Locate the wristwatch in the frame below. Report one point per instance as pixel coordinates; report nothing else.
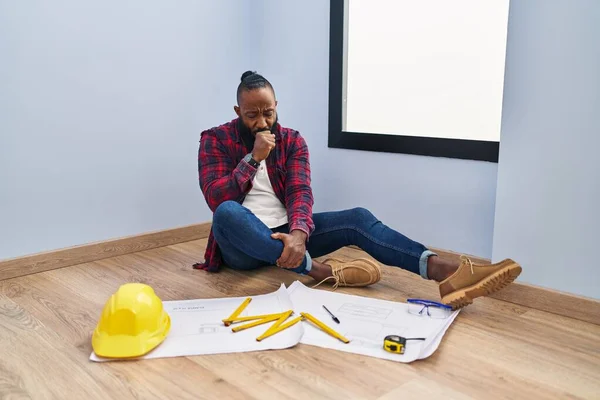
(251, 160)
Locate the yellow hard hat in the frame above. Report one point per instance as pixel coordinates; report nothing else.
(132, 323)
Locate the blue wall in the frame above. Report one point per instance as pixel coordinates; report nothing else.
(548, 205)
(101, 108)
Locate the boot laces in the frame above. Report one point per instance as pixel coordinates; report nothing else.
(467, 260)
(337, 275)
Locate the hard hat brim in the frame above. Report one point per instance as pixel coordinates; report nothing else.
(126, 346)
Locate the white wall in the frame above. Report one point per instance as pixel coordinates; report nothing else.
(101, 108)
(548, 200)
(442, 202)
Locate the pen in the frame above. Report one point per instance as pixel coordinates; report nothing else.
(332, 316)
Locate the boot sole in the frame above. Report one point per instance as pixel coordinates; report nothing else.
(493, 283)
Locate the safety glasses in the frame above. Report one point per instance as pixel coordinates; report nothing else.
(427, 308)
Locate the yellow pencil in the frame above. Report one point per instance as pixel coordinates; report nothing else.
(249, 318)
(324, 327)
(256, 323)
(279, 329)
(237, 311)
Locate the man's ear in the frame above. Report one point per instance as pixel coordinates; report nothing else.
(237, 110)
(275, 103)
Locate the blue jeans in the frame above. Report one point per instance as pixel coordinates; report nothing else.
(246, 242)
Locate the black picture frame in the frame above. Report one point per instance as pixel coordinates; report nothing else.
(478, 150)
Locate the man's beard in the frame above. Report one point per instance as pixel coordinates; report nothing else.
(245, 131)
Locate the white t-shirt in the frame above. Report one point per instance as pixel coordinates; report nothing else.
(263, 202)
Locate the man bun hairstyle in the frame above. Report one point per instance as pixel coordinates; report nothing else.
(251, 80)
(247, 74)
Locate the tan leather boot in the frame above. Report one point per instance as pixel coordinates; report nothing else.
(359, 272)
(471, 281)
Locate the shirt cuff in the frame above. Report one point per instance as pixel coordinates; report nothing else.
(299, 226)
(246, 169)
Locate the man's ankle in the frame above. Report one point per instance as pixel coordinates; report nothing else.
(320, 271)
(439, 269)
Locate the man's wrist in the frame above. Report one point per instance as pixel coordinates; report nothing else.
(299, 234)
(250, 159)
(255, 158)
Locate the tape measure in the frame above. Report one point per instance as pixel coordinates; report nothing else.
(396, 344)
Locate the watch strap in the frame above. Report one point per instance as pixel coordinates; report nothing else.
(251, 160)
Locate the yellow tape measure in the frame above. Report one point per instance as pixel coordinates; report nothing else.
(396, 344)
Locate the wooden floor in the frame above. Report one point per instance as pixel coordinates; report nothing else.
(494, 349)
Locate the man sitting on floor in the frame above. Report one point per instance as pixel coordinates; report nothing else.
(255, 177)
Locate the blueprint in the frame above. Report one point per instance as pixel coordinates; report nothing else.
(365, 322)
(197, 327)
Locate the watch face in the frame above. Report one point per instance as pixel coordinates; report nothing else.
(250, 161)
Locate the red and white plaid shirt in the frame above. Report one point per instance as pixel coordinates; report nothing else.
(224, 175)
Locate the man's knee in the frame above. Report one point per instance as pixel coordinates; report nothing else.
(362, 213)
(363, 216)
(227, 212)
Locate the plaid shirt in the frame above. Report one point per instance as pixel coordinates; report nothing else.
(224, 175)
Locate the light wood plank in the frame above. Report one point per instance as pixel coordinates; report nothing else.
(31, 264)
(495, 349)
(423, 389)
(553, 301)
(65, 315)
